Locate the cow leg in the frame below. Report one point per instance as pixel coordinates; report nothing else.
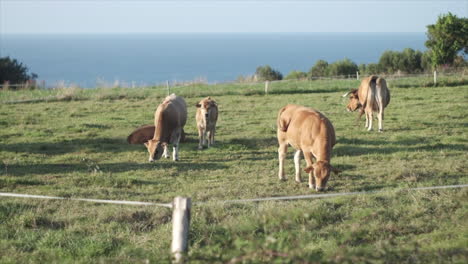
(380, 117)
(297, 165)
(282, 150)
(367, 121)
(200, 138)
(208, 137)
(308, 159)
(212, 134)
(370, 121)
(166, 152)
(205, 137)
(175, 148)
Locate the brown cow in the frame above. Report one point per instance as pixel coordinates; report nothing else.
(372, 96)
(206, 116)
(145, 133)
(310, 132)
(169, 120)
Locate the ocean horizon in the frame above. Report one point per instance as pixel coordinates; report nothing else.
(90, 60)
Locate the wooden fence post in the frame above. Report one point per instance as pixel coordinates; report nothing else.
(180, 227)
(435, 78)
(267, 84)
(357, 75)
(168, 88)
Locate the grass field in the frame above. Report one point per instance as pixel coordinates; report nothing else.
(72, 143)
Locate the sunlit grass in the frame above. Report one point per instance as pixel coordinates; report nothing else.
(76, 146)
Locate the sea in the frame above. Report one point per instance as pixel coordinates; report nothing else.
(91, 60)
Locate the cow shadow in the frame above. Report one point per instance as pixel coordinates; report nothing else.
(357, 147)
(92, 167)
(95, 145)
(66, 146)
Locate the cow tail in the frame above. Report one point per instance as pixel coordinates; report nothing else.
(281, 122)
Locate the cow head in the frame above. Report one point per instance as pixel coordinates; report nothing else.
(354, 103)
(321, 170)
(206, 106)
(155, 149)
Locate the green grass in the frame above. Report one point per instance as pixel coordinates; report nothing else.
(72, 143)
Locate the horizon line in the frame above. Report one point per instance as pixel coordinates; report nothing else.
(202, 32)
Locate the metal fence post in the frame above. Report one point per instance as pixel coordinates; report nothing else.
(267, 83)
(435, 77)
(180, 227)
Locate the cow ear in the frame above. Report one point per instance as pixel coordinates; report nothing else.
(146, 144)
(309, 169)
(213, 103)
(198, 105)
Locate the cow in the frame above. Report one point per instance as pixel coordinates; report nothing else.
(145, 133)
(169, 121)
(206, 117)
(372, 96)
(309, 132)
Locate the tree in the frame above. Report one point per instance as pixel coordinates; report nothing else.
(266, 73)
(319, 69)
(14, 72)
(446, 38)
(296, 75)
(343, 67)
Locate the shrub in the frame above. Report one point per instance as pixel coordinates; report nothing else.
(14, 72)
(296, 75)
(343, 67)
(266, 73)
(319, 69)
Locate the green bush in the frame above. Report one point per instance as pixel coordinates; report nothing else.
(343, 67)
(14, 72)
(319, 69)
(266, 73)
(296, 75)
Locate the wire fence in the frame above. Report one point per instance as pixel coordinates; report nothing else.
(252, 80)
(181, 209)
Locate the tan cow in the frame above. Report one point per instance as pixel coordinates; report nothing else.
(206, 116)
(146, 132)
(169, 120)
(311, 133)
(372, 96)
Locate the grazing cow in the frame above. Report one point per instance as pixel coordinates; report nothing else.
(206, 116)
(169, 120)
(145, 133)
(310, 132)
(372, 96)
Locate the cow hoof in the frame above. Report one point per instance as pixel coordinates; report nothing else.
(282, 179)
(380, 130)
(200, 147)
(311, 186)
(298, 181)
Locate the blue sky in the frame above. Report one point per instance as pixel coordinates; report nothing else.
(105, 16)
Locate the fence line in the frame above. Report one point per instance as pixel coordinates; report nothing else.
(328, 195)
(181, 211)
(179, 84)
(278, 198)
(168, 205)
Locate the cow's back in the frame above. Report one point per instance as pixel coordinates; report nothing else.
(372, 92)
(300, 126)
(175, 110)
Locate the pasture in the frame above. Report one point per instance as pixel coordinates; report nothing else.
(72, 143)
